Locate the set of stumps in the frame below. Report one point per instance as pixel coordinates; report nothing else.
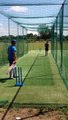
(18, 74)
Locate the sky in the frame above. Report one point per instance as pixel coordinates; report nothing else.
(27, 11)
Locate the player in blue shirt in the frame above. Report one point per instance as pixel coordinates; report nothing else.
(12, 56)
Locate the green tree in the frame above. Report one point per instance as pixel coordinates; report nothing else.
(44, 31)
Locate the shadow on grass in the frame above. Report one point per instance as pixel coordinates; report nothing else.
(3, 103)
(2, 80)
(39, 105)
(45, 78)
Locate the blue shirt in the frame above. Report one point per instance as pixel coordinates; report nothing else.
(11, 50)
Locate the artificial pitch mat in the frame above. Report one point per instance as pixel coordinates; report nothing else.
(42, 83)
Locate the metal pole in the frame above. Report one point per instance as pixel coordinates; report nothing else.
(27, 40)
(53, 41)
(56, 39)
(61, 34)
(23, 39)
(18, 40)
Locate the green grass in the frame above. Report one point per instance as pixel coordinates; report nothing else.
(43, 85)
(36, 45)
(39, 74)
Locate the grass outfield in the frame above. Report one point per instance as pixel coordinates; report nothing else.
(36, 45)
(43, 84)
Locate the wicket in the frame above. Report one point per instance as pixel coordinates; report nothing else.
(19, 76)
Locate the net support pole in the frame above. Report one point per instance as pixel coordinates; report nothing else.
(53, 40)
(23, 39)
(18, 40)
(9, 27)
(26, 40)
(61, 35)
(56, 39)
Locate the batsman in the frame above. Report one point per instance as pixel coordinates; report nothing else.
(12, 58)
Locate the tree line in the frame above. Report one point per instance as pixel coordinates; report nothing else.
(44, 33)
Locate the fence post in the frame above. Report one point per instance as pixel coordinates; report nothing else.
(61, 35)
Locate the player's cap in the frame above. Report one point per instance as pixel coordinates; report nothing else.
(13, 41)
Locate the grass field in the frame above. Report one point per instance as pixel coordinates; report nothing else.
(42, 85)
(42, 82)
(36, 45)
